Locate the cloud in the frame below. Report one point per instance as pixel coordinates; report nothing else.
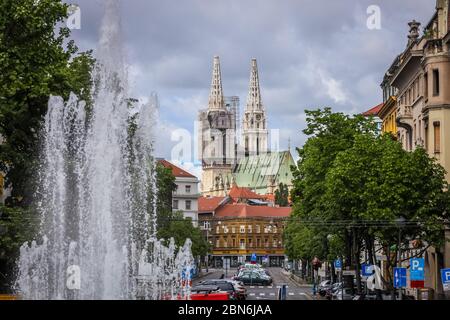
(311, 54)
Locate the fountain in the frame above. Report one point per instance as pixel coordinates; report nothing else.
(96, 196)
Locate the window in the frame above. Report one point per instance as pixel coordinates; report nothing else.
(258, 243)
(242, 244)
(217, 229)
(275, 243)
(258, 228)
(206, 225)
(267, 243)
(188, 204)
(234, 242)
(225, 243)
(425, 82)
(242, 228)
(188, 189)
(437, 136)
(233, 229)
(175, 204)
(250, 243)
(225, 229)
(249, 227)
(435, 82)
(217, 243)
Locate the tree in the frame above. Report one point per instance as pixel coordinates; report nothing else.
(330, 133)
(172, 224)
(34, 64)
(375, 183)
(180, 229)
(282, 195)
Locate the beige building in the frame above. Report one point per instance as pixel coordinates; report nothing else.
(419, 79)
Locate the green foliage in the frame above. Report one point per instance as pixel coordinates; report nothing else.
(172, 224)
(17, 226)
(351, 185)
(282, 195)
(180, 229)
(34, 64)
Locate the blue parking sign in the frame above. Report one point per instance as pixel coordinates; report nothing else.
(445, 276)
(399, 277)
(367, 270)
(338, 264)
(417, 266)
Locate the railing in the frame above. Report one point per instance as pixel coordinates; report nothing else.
(404, 111)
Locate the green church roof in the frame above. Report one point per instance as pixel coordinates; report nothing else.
(258, 172)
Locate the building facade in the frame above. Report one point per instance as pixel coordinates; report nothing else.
(238, 230)
(417, 93)
(185, 197)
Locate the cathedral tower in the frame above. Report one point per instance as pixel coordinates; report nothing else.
(254, 125)
(217, 138)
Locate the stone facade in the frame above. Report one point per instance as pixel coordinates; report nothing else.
(417, 92)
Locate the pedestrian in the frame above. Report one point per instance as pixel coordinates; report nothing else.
(222, 276)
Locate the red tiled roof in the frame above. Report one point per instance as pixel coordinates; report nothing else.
(244, 211)
(176, 171)
(209, 204)
(374, 111)
(244, 193)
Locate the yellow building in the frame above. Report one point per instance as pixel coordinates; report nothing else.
(237, 230)
(388, 115)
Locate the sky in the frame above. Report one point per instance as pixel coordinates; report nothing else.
(311, 54)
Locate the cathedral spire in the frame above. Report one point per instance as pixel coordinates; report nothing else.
(254, 93)
(216, 100)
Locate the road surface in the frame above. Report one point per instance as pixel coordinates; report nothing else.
(294, 290)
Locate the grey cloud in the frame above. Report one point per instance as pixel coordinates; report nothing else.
(170, 45)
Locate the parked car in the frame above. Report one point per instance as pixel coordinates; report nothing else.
(241, 291)
(208, 292)
(224, 285)
(254, 278)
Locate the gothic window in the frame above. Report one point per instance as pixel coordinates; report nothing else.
(437, 136)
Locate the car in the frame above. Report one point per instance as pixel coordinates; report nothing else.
(254, 278)
(208, 292)
(241, 291)
(224, 285)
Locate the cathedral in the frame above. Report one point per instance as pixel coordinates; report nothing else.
(234, 152)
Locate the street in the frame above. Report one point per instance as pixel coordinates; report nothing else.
(279, 276)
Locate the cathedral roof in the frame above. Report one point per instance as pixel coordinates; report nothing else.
(260, 171)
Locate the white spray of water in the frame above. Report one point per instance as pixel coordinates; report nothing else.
(97, 195)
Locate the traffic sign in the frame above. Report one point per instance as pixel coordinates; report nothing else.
(416, 272)
(338, 265)
(253, 257)
(445, 276)
(399, 277)
(367, 270)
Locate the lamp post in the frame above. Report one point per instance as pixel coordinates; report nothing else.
(400, 223)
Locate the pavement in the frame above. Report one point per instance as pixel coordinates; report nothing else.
(295, 290)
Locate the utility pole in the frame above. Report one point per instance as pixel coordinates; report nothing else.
(400, 223)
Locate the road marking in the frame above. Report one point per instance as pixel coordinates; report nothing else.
(261, 287)
(252, 287)
(269, 287)
(291, 293)
(252, 294)
(272, 294)
(302, 293)
(262, 294)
